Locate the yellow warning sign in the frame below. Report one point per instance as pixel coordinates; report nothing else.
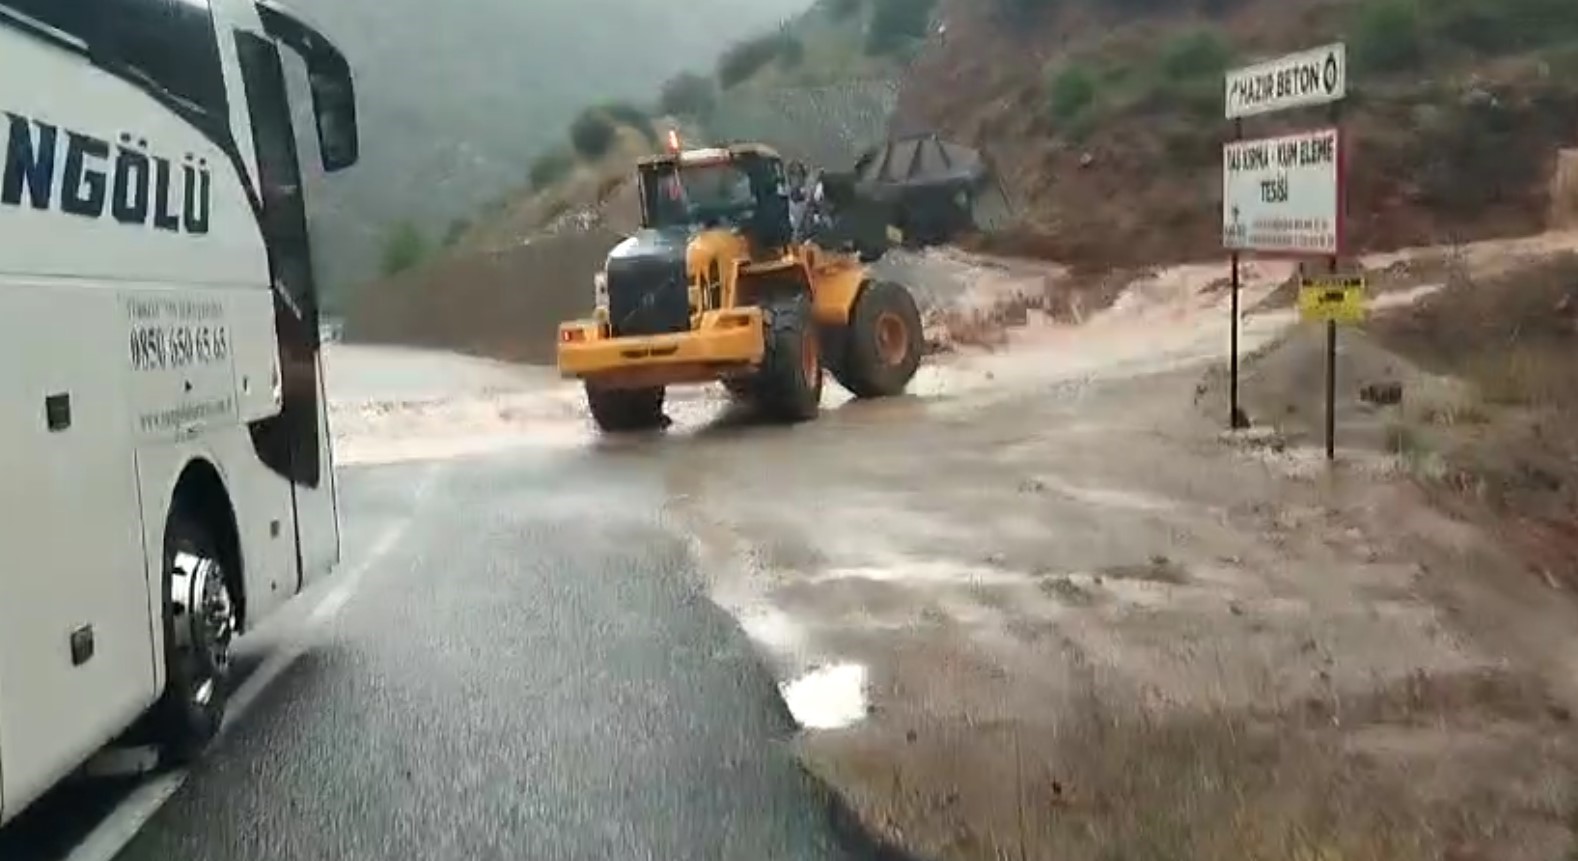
(1337, 298)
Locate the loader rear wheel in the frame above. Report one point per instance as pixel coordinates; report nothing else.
(617, 410)
(881, 346)
(789, 386)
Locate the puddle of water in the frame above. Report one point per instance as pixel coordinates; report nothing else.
(769, 626)
(913, 570)
(830, 697)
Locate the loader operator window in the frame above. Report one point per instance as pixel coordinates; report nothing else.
(709, 194)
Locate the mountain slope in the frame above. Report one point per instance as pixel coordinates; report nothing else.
(456, 99)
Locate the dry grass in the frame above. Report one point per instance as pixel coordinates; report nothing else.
(1509, 448)
(1511, 336)
(1101, 780)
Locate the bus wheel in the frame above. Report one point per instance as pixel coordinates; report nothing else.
(199, 624)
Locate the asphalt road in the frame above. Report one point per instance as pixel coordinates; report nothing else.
(525, 668)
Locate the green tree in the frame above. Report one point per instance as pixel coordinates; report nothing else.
(1196, 54)
(592, 134)
(404, 246)
(688, 95)
(897, 23)
(1387, 36)
(1073, 91)
(626, 114)
(841, 10)
(746, 58)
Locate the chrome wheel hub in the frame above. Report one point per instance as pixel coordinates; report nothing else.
(205, 620)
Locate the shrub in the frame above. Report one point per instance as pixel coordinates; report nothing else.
(592, 134)
(688, 95)
(792, 52)
(897, 23)
(841, 10)
(1387, 35)
(1503, 25)
(549, 168)
(404, 246)
(626, 114)
(1016, 12)
(457, 229)
(1073, 91)
(1199, 54)
(747, 58)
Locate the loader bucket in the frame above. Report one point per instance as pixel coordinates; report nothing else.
(934, 190)
(859, 223)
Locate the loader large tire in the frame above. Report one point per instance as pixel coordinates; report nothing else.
(618, 410)
(789, 386)
(880, 350)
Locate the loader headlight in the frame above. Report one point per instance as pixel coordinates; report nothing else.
(600, 290)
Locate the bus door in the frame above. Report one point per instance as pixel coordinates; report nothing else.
(297, 441)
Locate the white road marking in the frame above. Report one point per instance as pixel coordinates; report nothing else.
(123, 823)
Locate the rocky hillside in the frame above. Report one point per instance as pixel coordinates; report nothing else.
(1106, 114)
(1104, 117)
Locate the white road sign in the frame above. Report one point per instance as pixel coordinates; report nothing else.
(1313, 77)
(1283, 194)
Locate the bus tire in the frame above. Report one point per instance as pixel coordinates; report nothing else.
(200, 621)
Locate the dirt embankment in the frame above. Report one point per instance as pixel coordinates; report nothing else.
(502, 304)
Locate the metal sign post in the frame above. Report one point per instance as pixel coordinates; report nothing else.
(1284, 195)
(1332, 300)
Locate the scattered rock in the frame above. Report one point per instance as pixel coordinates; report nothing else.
(1032, 485)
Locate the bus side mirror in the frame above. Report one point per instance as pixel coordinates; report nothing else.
(334, 109)
(329, 78)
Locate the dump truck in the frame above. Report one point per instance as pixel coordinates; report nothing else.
(717, 285)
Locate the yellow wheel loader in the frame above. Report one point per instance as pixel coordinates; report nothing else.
(717, 285)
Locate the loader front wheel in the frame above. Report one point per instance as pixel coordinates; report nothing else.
(789, 386)
(881, 347)
(618, 410)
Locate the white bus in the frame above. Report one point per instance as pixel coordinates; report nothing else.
(167, 472)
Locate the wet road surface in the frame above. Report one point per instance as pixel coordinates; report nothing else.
(527, 670)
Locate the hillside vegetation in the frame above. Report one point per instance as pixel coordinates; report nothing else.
(831, 42)
(1106, 115)
(455, 100)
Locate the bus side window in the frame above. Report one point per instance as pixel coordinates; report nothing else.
(70, 17)
(173, 43)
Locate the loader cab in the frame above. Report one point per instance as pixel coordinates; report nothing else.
(740, 188)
